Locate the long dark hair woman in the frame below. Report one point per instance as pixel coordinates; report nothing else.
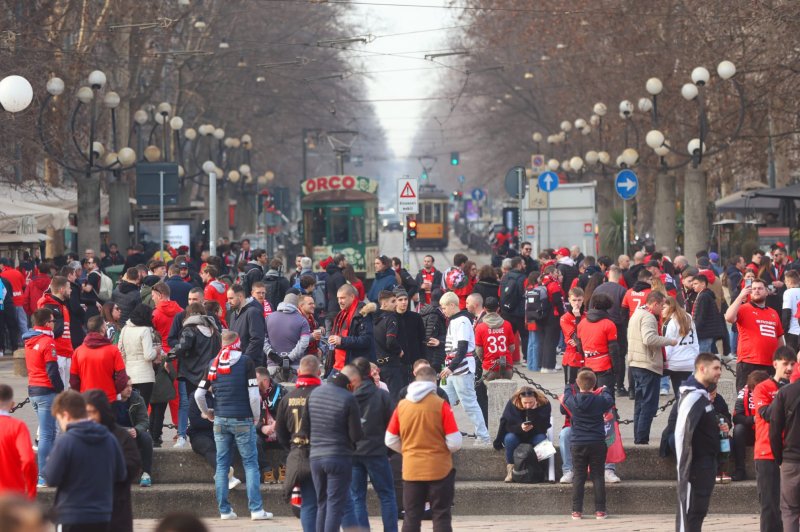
(99, 410)
(525, 419)
(487, 285)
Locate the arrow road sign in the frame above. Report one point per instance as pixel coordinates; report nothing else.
(548, 181)
(627, 184)
(478, 194)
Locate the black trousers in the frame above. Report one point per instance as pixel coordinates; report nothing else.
(768, 484)
(570, 374)
(157, 411)
(744, 436)
(203, 444)
(271, 455)
(395, 377)
(85, 527)
(606, 378)
(702, 478)
(146, 391)
(676, 378)
(619, 363)
(440, 493)
(145, 444)
(584, 456)
(744, 369)
(552, 333)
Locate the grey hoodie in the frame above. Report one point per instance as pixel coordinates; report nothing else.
(287, 333)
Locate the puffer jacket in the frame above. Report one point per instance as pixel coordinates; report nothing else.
(133, 413)
(376, 410)
(163, 315)
(360, 339)
(386, 330)
(199, 343)
(138, 351)
(385, 280)
(487, 289)
(126, 295)
(707, 317)
(435, 327)
(644, 342)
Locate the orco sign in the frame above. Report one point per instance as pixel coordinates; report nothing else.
(338, 182)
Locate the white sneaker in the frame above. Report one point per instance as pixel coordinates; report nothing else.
(482, 443)
(566, 478)
(260, 515)
(232, 481)
(230, 516)
(611, 477)
(181, 443)
(663, 392)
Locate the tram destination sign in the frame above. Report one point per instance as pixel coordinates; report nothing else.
(338, 182)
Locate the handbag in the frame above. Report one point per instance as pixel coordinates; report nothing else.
(616, 452)
(544, 450)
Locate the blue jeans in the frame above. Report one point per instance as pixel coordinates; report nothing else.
(564, 441)
(645, 404)
(534, 350)
(332, 476)
(512, 441)
(22, 321)
(242, 433)
(734, 340)
(379, 471)
(664, 383)
(308, 508)
(183, 409)
(47, 427)
(706, 344)
(462, 388)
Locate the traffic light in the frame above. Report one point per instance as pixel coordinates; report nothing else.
(457, 195)
(411, 228)
(454, 158)
(424, 176)
(205, 230)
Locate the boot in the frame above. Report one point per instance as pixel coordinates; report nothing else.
(509, 469)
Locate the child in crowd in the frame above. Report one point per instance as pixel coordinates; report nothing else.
(588, 440)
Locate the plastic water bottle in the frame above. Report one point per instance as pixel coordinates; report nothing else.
(724, 442)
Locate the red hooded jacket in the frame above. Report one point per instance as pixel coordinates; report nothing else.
(34, 292)
(63, 338)
(163, 316)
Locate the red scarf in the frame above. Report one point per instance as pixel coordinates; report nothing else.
(307, 380)
(222, 363)
(341, 327)
(428, 276)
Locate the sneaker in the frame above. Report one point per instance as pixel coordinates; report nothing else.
(622, 391)
(145, 481)
(180, 442)
(663, 392)
(482, 443)
(157, 444)
(233, 482)
(260, 515)
(611, 477)
(230, 516)
(41, 483)
(600, 515)
(566, 478)
(577, 516)
(548, 370)
(268, 477)
(726, 479)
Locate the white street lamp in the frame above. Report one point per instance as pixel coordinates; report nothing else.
(726, 70)
(654, 86)
(654, 139)
(700, 76)
(591, 157)
(630, 156)
(600, 109)
(576, 163)
(689, 91)
(97, 79)
(16, 93)
(55, 86)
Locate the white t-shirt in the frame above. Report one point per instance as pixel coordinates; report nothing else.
(790, 299)
(681, 357)
(460, 330)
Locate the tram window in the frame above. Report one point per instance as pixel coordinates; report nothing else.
(339, 221)
(436, 217)
(370, 225)
(318, 227)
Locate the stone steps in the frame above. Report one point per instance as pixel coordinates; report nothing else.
(180, 466)
(472, 498)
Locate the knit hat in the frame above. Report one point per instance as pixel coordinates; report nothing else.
(324, 263)
(291, 299)
(400, 292)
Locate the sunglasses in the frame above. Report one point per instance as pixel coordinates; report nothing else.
(527, 394)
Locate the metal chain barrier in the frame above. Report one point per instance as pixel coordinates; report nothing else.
(726, 366)
(20, 405)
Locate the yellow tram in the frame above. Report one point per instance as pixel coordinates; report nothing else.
(432, 221)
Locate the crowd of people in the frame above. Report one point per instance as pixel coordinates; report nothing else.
(238, 352)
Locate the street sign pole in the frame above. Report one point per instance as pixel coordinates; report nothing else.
(548, 181)
(212, 213)
(627, 185)
(161, 210)
(625, 226)
(520, 195)
(548, 219)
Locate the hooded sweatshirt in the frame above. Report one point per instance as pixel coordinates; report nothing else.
(597, 339)
(86, 497)
(494, 339)
(61, 329)
(386, 330)
(424, 430)
(376, 409)
(41, 363)
(163, 315)
(586, 410)
(288, 333)
(199, 343)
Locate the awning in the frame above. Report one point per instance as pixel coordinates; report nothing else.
(42, 194)
(28, 218)
(790, 192)
(11, 238)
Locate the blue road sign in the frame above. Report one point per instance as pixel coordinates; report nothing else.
(461, 179)
(478, 194)
(548, 181)
(627, 184)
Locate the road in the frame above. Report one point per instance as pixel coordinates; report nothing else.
(391, 244)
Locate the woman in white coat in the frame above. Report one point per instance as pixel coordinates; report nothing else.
(139, 351)
(680, 358)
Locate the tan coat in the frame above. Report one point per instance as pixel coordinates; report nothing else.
(645, 343)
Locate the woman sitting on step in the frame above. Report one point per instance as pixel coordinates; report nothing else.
(525, 419)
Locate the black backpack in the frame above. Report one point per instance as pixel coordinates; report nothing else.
(537, 304)
(276, 290)
(526, 466)
(510, 296)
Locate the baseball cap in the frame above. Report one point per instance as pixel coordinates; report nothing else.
(492, 304)
(183, 264)
(564, 252)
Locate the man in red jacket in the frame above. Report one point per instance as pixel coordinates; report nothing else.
(44, 381)
(98, 363)
(56, 298)
(35, 289)
(17, 462)
(17, 281)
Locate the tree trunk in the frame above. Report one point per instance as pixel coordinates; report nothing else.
(695, 212)
(88, 212)
(119, 213)
(664, 216)
(604, 196)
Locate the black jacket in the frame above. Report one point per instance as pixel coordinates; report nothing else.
(249, 323)
(436, 286)
(707, 318)
(277, 287)
(77, 316)
(412, 336)
(569, 273)
(734, 281)
(198, 344)
(435, 327)
(531, 264)
(616, 292)
(360, 339)
(409, 283)
(178, 290)
(512, 418)
(376, 410)
(126, 296)
(122, 512)
(386, 331)
(132, 413)
(784, 428)
(332, 285)
(333, 419)
(487, 289)
(586, 410)
(517, 279)
(177, 325)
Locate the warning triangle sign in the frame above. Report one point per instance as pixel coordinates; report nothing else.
(408, 192)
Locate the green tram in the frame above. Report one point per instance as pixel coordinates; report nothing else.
(340, 215)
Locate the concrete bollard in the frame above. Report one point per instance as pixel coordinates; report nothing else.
(20, 369)
(727, 389)
(499, 392)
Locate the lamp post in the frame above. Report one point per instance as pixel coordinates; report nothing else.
(695, 204)
(16, 95)
(92, 158)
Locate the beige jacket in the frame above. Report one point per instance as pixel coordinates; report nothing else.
(138, 352)
(644, 342)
